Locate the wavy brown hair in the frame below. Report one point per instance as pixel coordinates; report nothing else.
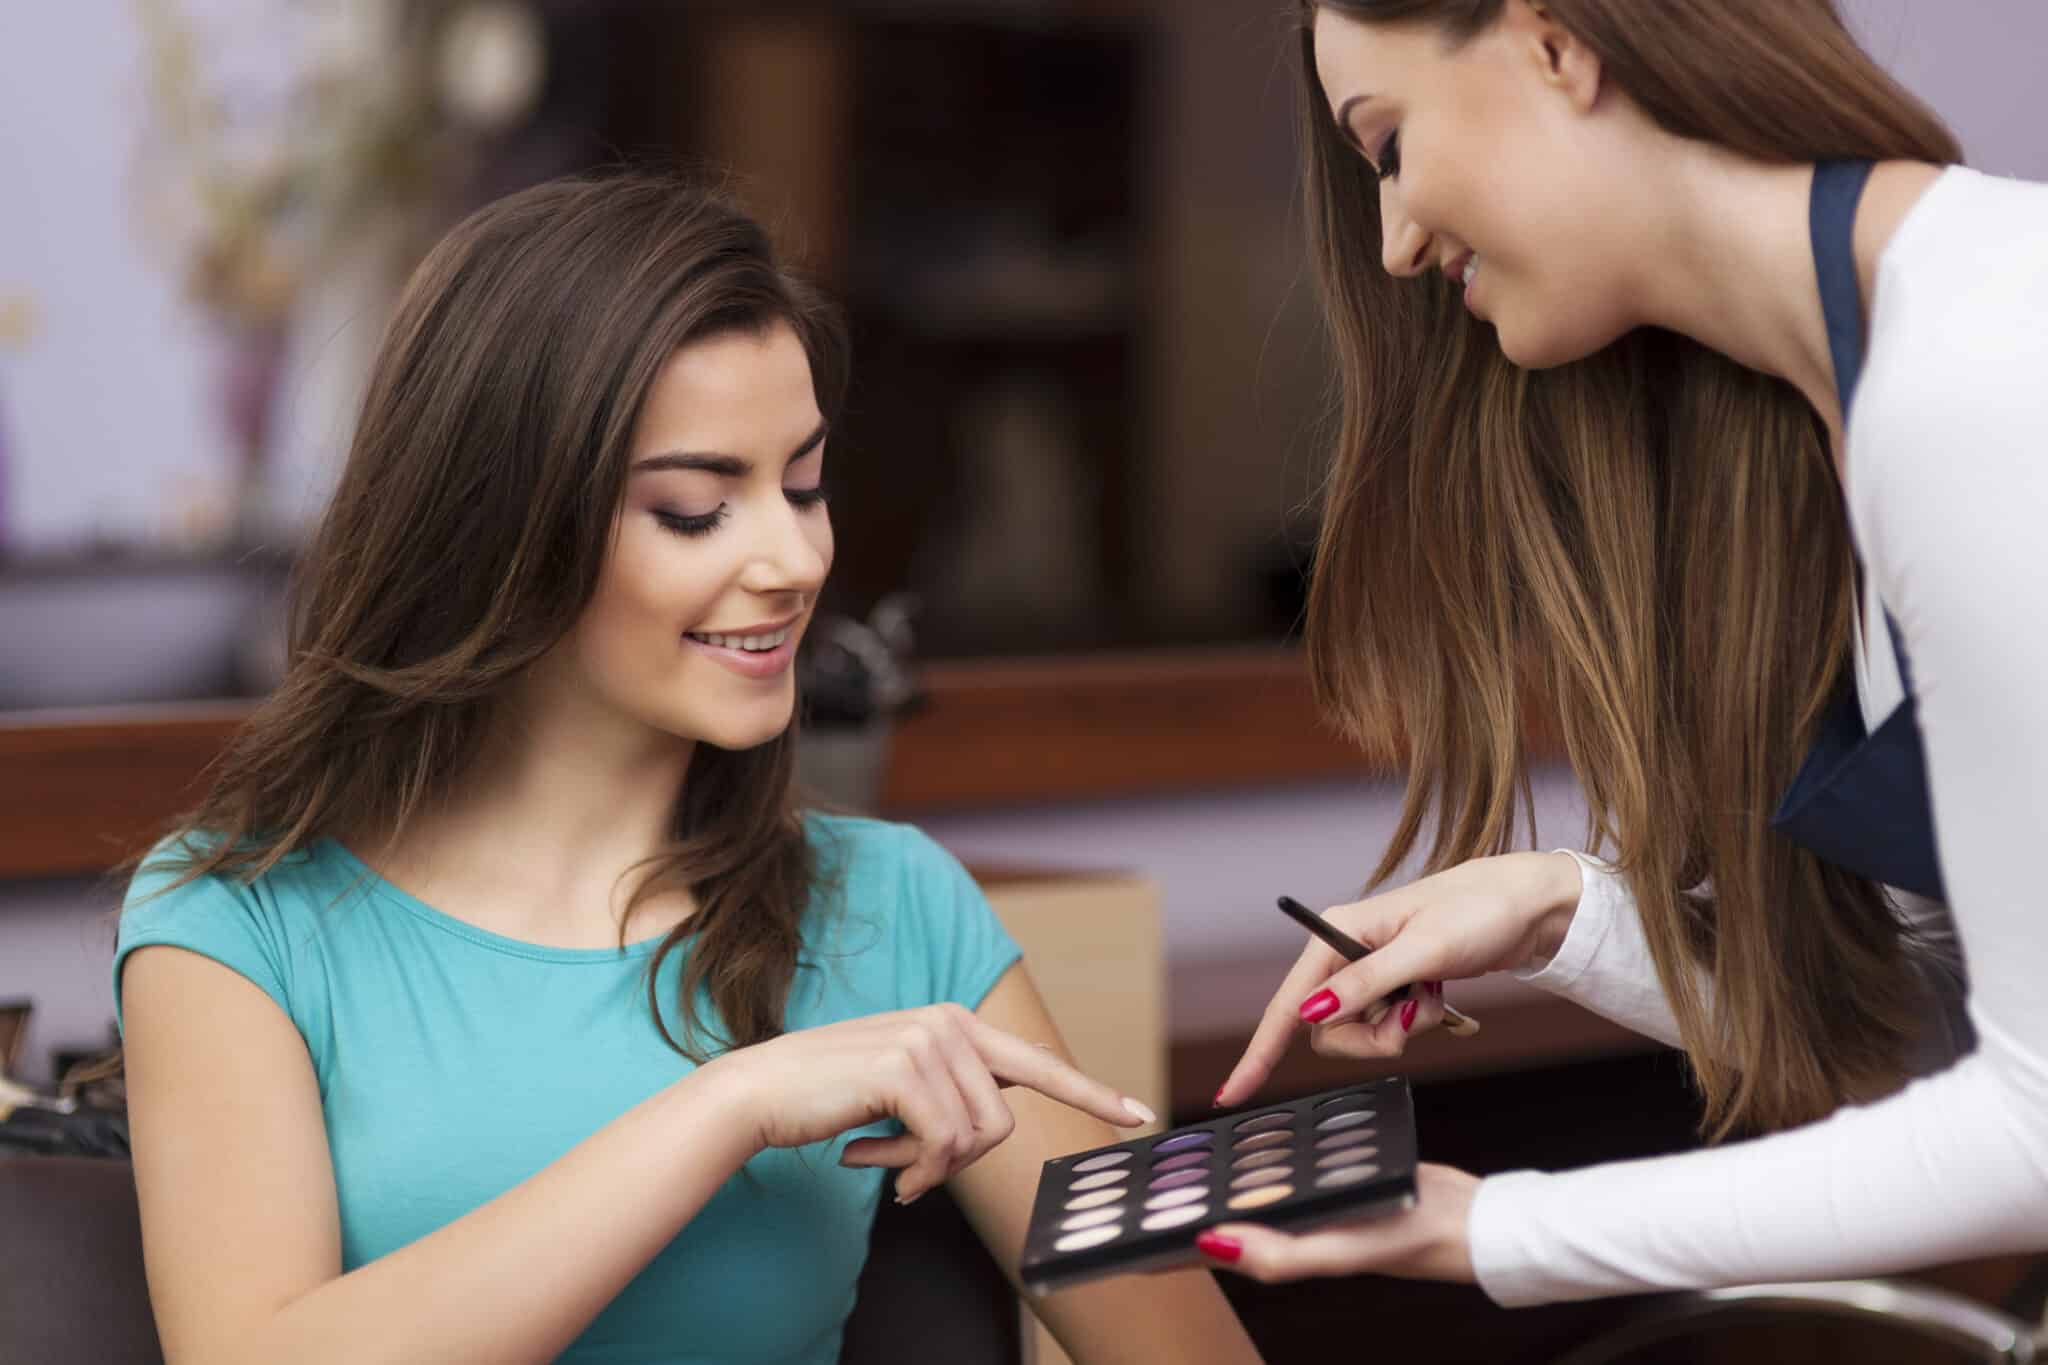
(467, 534)
(1653, 536)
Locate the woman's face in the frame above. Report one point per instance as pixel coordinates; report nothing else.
(1486, 155)
(721, 546)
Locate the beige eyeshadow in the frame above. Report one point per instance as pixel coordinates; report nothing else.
(1259, 1198)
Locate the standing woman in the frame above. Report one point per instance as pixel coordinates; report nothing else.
(1695, 382)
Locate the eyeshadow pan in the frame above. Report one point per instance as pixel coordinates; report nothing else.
(1174, 1218)
(1251, 1180)
(1094, 1218)
(1101, 1178)
(1174, 1180)
(1258, 1140)
(1093, 1237)
(1342, 1139)
(1259, 1198)
(1344, 1102)
(1102, 1162)
(1348, 1119)
(1258, 1159)
(1344, 1156)
(1173, 1199)
(1181, 1162)
(1093, 1200)
(1180, 1142)
(1267, 1123)
(1347, 1175)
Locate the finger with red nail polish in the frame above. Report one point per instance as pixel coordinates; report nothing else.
(1319, 1007)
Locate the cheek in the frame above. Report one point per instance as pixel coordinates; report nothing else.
(818, 531)
(646, 597)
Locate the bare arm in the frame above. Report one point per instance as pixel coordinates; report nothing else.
(1140, 1319)
(241, 1234)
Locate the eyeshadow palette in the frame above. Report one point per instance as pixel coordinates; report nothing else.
(1339, 1155)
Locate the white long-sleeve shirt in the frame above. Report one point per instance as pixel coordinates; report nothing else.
(1947, 474)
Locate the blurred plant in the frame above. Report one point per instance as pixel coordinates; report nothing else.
(343, 112)
(287, 134)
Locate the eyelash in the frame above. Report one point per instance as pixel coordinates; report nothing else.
(803, 499)
(1387, 164)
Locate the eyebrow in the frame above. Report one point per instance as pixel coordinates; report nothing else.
(1344, 118)
(726, 466)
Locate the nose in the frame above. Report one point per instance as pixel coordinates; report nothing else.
(1404, 244)
(792, 551)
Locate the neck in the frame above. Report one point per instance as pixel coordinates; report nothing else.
(540, 834)
(1730, 265)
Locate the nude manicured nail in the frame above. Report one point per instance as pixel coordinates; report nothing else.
(1140, 1112)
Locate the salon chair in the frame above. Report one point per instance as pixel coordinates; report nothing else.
(72, 1290)
(1940, 1324)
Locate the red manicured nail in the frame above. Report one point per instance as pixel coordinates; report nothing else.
(1220, 1248)
(1408, 1015)
(1218, 1102)
(1319, 1007)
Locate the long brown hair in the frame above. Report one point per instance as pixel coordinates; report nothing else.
(1654, 536)
(467, 535)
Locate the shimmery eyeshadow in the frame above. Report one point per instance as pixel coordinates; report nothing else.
(1102, 1162)
(1258, 1159)
(1093, 1200)
(1337, 1140)
(1259, 1198)
(1360, 1101)
(1344, 1156)
(1258, 1140)
(1094, 1218)
(1201, 1137)
(1174, 1218)
(1181, 1162)
(1349, 1119)
(1251, 1180)
(1174, 1180)
(1347, 1175)
(1099, 1179)
(1173, 1199)
(1081, 1241)
(1266, 1123)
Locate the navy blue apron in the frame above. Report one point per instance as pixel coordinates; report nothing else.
(1860, 799)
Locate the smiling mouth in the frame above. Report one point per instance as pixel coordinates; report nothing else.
(762, 643)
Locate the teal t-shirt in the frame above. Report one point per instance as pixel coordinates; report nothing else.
(453, 1064)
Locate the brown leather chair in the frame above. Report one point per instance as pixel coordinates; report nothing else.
(72, 1290)
(71, 1285)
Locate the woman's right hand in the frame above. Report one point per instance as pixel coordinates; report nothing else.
(1488, 915)
(938, 1070)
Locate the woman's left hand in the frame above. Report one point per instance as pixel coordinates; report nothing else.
(1427, 1242)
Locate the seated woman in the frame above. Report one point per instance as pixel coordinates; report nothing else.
(499, 1002)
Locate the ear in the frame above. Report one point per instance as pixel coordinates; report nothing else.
(1558, 56)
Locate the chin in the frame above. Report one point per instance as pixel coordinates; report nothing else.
(739, 733)
(1546, 348)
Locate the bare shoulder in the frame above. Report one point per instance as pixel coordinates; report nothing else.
(1895, 187)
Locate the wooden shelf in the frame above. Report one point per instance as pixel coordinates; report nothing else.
(81, 790)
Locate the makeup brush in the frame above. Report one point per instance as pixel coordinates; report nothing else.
(1457, 1024)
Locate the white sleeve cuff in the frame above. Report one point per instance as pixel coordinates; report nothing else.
(1601, 892)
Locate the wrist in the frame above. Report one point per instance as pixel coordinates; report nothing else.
(1560, 882)
(722, 1091)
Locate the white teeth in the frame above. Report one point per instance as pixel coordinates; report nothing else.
(1471, 269)
(753, 644)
